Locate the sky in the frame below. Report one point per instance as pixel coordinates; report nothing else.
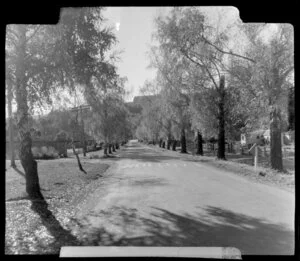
(134, 27)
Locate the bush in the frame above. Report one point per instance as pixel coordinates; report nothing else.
(61, 136)
(44, 153)
(36, 152)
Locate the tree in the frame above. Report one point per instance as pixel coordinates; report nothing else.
(42, 57)
(291, 108)
(271, 77)
(187, 34)
(171, 78)
(10, 124)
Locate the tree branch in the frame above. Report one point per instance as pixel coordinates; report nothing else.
(201, 65)
(225, 52)
(35, 31)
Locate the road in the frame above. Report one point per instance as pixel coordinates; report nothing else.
(152, 198)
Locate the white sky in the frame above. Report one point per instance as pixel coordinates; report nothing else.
(136, 26)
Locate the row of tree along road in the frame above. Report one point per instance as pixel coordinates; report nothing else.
(44, 59)
(212, 81)
(218, 81)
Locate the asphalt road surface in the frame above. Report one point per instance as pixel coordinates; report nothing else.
(152, 198)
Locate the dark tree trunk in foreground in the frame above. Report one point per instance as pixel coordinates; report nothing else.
(26, 157)
(113, 148)
(183, 141)
(275, 132)
(221, 135)
(199, 144)
(174, 145)
(109, 149)
(291, 109)
(10, 126)
(117, 146)
(163, 144)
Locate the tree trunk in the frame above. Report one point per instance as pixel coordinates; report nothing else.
(163, 144)
(109, 149)
(183, 141)
(221, 135)
(174, 145)
(113, 148)
(291, 109)
(275, 132)
(105, 149)
(10, 126)
(117, 146)
(77, 157)
(169, 142)
(160, 143)
(199, 144)
(26, 157)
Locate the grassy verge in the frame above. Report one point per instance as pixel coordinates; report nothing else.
(241, 165)
(43, 227)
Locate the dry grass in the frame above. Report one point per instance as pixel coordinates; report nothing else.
(242, 165)
(42, 228)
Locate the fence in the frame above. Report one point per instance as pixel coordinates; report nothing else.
(234, 153)
(211, 147)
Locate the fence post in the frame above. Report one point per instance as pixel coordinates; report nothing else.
(255, 157)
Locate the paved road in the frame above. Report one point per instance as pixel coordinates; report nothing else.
(152, 198)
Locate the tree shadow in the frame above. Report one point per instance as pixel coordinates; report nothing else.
(213, 226)
(143, 154)
(62, 236)
(150, 182)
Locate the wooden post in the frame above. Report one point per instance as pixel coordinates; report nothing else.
(255, 157)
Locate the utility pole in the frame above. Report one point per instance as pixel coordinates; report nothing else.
(83, 135)
(81, 108)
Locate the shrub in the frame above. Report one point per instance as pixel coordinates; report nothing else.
(36, 152)
(44, 153)
(52, 153)
(61, 136)
(44, 150)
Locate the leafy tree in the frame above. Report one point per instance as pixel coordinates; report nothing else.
(186, 33)
(41, 57)
(270, 80)
(171, 76)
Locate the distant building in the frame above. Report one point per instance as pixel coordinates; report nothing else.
(143, 100)
(254, 137)
(251, 137)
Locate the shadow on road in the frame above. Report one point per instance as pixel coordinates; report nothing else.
(136, 152)
(218, 227)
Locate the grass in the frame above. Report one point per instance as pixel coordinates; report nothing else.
(242, 165)
(43, 227)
